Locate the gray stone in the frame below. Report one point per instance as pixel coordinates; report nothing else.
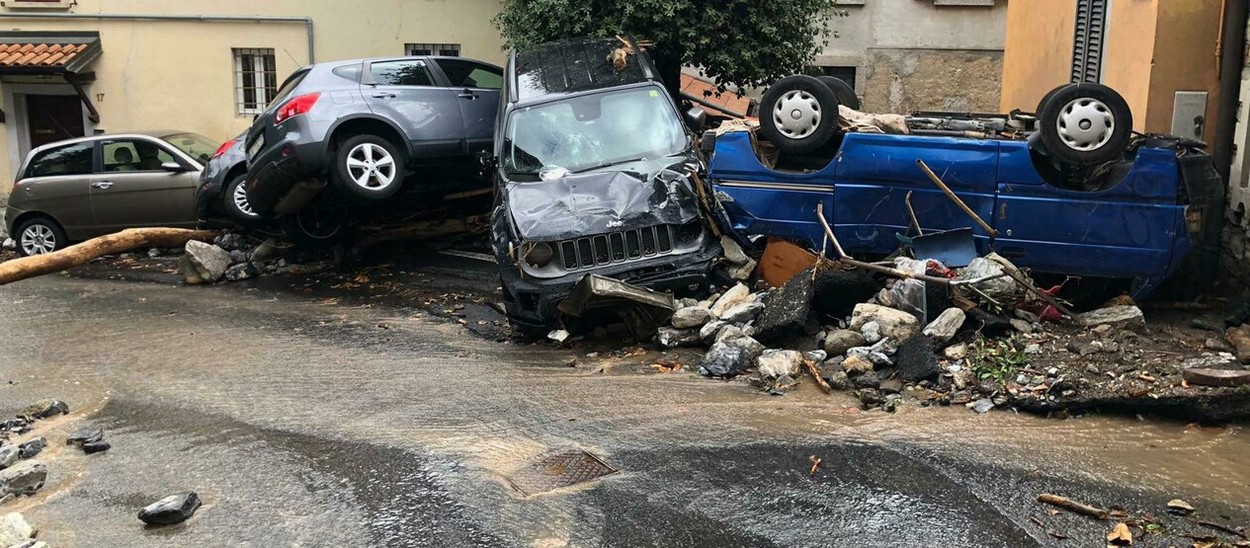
(691, 317)
(870, 397)
(154, 253)
(753, 347)
(735, 296)
(956, 351)
(742, 312)
(96, 447)
(871, 332)
(867, 380)
(895, 324)
(838, 380)
(945, 326)
(857, 365)
(725, 360)
(733, 252)
(775, 363)
(728, 333)
(23, 478)
(815, 356)
(237, 256)
(711, 330)
(230, 241)
(838, 342)
(670, 337)
(43, 409)
(240, 272)
(31, 448)
(1021, 326)
(14, 530)
(963, 379)
(210, 262)
(982, 405)
(891, 386)
(9, 454)
(1118, 317)
(688, 302)
(85, 435)
(170, 510)
(742, 272)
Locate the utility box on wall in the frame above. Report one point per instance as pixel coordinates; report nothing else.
(1189, 114)
(1147, 50)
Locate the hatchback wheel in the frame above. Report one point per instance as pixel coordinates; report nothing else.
(369, 167)
(39, 236)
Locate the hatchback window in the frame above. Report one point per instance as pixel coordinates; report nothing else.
(348, 72)
(464, 73)
(64, 160)
(194, 145)
(401, 73)
(122, 155)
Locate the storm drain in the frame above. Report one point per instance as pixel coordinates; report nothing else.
(559, 470)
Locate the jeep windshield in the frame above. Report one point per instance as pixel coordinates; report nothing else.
(592, 131)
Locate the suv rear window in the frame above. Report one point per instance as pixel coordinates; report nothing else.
(287, 87)
(72, 159)
(401, 73)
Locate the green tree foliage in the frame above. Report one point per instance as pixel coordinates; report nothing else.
(746, 43)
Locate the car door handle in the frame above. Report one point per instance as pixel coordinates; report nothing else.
(466, 94)
(102, 185)
(384, 95)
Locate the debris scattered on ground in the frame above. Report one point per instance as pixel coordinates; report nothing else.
(83, 436)
(170, 510)
(1074, 506)
(44, 409)
(1120, 535)
(1180, 507)
(14, 530)
(24, 478)
(32, 448)
(96, 447)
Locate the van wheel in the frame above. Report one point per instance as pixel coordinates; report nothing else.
(799, 114)
(369, 167)
(842, 90)
(39, 235)
(316, 227)
(1086, 124)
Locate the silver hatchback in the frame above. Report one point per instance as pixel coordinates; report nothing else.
(82, 188)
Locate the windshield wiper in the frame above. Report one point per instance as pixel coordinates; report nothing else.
(602, 165)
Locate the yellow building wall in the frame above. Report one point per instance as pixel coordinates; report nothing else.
(180, 75)
(1184, 60)
(1127, 55)
(1038, 50)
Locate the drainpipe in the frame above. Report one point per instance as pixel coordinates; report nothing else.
(1233, 39)
(307, 21)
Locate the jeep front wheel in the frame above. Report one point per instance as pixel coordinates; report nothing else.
(369, 167)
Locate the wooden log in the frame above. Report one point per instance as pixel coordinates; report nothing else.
(815, 373)
(1071, 505)
(111, 244)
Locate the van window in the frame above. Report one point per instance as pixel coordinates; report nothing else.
(72, 159)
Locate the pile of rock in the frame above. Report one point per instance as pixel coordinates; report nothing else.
(231, 257)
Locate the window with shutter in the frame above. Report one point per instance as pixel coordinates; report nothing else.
(1091, 32)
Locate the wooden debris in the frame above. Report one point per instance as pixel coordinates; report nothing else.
(1223, 528)
(1073, 506)
(815, 373)
(815, 464)
(111, 244)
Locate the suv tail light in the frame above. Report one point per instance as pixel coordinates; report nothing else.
(224, 147)
(295, 107)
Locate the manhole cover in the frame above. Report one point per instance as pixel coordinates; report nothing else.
(559, 470)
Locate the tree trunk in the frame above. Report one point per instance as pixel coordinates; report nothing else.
(83, 253)
(668, 63)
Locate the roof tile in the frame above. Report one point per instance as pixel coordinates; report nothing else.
(18, 54)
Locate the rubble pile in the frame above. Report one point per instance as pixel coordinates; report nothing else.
(980, 341)
(231, 257)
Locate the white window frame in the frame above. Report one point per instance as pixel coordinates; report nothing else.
(266, 60)
(436, 50)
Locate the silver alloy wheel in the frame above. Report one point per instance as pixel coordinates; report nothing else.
(797, 114)
(240, 201)
(371, 167)
(37, 240)
(1086, 124)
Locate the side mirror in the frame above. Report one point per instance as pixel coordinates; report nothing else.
(696, 118)
(173, 167)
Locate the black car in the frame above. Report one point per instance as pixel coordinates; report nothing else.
(222, 196)
(592, 175)
(352, 132)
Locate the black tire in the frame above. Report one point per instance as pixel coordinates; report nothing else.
(352, 168)
(316, 228)
(45, 236)
(842, 90)
(1041, 105)
(234, 200)
(1086, 125)
(813, 121)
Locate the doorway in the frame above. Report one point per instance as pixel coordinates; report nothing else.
(53, 118)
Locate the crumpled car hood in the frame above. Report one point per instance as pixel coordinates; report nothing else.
(598, 203)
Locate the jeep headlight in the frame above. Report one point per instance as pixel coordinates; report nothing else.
(539, 254)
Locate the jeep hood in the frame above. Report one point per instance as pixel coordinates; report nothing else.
(598, 203)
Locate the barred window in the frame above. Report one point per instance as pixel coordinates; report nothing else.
(442, 50)
(255, 79)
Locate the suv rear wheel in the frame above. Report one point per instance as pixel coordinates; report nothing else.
(369, 167)
(39, 235)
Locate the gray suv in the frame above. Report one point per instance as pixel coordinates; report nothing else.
(364, 126)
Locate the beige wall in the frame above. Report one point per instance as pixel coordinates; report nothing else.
(158, 74)
(1154, 48)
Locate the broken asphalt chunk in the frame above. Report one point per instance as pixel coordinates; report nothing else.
(786, 309)
(32, 448)
(170, 510)
(917, 360)
(23, 478)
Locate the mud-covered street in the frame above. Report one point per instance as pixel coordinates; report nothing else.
(410, 419)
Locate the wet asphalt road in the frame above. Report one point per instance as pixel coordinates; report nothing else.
(308, 422)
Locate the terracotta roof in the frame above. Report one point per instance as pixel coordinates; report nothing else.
(727, 102)
(35, 52)
(31, 55)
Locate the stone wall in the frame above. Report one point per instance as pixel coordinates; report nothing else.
(906, 80)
